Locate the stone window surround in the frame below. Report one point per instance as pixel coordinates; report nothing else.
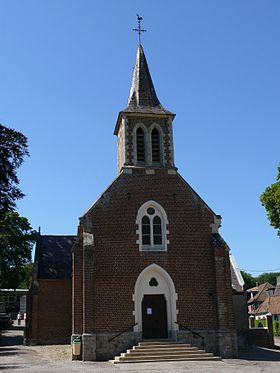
(164, 220)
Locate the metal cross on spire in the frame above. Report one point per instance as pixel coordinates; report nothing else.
(139, 29)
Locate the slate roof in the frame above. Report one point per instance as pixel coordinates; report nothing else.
(262, 294)
(54, 256)
(143, 97)
(271, 305)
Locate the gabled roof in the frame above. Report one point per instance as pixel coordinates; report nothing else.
(271, 305)
(262, 294)
(254, 289)
(54, 256)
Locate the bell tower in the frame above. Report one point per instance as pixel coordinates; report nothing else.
(144, 127)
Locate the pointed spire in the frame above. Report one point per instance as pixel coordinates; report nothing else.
(142, 95)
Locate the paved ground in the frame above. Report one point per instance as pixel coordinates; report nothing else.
(14, 357)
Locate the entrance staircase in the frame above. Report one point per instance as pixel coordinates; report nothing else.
(163, 350)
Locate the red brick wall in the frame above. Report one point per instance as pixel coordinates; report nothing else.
(53, 311)
(115, 262)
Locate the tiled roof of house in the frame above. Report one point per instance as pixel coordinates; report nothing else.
(255, 288)
(271, 305)
(54, 257)
(262, 294)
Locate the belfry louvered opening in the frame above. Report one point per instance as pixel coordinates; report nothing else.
(140, 144)
(155, 146)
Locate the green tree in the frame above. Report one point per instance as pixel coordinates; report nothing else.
(16, 241)
(270, 199)
(270, 277)
(16, 234)
(13, 149)
(249, 280)
(27, 272)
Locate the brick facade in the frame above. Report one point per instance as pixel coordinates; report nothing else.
(197, 262)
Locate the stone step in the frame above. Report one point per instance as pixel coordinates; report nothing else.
(133, 353)
(161, 345)
(165, 350)
(120, 359)
(159, 342)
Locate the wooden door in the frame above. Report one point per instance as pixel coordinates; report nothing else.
(154, 316)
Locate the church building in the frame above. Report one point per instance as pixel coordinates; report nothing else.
(149, 262)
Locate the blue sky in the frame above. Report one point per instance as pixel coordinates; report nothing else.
(65, 73)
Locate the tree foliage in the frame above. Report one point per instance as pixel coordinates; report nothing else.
(13, 148)
(270, 199)
(270, 277)
(16, 234)
(27, 272)
(251, 281)
(16, 242)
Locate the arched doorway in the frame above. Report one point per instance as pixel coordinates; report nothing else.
(155, 304)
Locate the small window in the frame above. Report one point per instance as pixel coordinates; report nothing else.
(151, 211)
(140, 145)
(151, 230)
(153, 282)
(152, 221)
(155, 146)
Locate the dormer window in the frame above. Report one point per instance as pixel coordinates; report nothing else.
(140, 145)
(152, 221)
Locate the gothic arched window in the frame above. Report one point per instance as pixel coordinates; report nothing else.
(152, 221)
(146, 230)
(140, 145)
(155, 139)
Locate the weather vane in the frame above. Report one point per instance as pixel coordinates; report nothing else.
(139, 29)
